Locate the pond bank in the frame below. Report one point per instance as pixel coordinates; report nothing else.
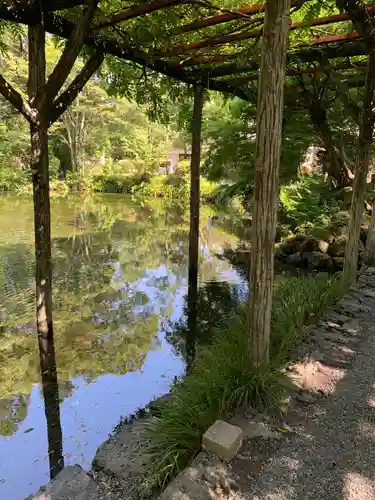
(325, 388)
(323, 443)
(122, 460)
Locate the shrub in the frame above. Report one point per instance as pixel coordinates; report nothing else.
(13, 177)
(307, 202)
(175, 187)
(223, 378)
(59, 188)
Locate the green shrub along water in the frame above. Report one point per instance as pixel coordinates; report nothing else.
(223, 378)
(174, 186)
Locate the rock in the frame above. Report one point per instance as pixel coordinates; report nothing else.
(338, 262)
(284, 249)
(198, 481)
(253, 430)
(323, 246)
(183, 488)
(322, 233)
(300, 238)
(366, 292)
(311, 245)
(318, 261)
(337, 318)
(306, 397)
(222, 439)
(349, 307)
(295, 260)
(352, 328)
(337, 337)
(337, 248)
(363, 234)
(124, 455)
(72, 483)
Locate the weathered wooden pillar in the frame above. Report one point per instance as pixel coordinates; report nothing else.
(369, 257)
(40, 178)
(364, 154)
(266, 179)
(42, 232)
(194, 225)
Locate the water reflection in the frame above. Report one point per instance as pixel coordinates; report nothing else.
(51, 398)
(215, 302)
(120, 284)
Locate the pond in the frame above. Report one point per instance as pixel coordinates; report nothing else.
(120, 282)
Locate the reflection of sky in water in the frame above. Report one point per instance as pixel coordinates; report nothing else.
(91, 412)
(87, 417)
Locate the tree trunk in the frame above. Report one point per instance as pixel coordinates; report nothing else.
(337, 165)
(42, 231)
(366, 126)
(194, 225)
(268, 146)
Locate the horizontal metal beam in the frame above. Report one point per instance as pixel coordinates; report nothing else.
(59, 26)
(137, 11)
(222, 18)
(247, 35)
(305, 71)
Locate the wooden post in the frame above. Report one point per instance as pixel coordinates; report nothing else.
(42, 231)
(266, 179)
(366, 130)
(40, 178)
(194, 225)
(369, 257)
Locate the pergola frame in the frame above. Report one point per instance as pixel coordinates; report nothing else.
(189, 62)
(204, 63)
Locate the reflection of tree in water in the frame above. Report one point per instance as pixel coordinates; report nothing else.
(12, 412)
(101, 326)
(117, 267)
(216, 301)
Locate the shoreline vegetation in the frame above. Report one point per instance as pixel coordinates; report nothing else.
(222, 379)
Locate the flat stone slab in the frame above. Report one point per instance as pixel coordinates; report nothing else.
(206, 478)
(125, 456)
(72, 483)
(183, 488)
(222, 439)
(253, 430)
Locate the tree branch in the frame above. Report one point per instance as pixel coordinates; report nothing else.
(70, 53)
(359, 13)
(68, 96)
(15, 98)
(350, 106)
(136, 11)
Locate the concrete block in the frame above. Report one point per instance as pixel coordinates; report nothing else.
(223, 439)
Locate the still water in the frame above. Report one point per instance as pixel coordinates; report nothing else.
(120, 285)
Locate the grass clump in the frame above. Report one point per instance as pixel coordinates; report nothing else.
(223, 378)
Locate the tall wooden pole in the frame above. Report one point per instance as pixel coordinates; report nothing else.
(42, 231)
(194, 224)
(364, 155)
(40, 178)
(266, 180)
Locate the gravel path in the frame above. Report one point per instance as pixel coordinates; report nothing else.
(332, 455)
